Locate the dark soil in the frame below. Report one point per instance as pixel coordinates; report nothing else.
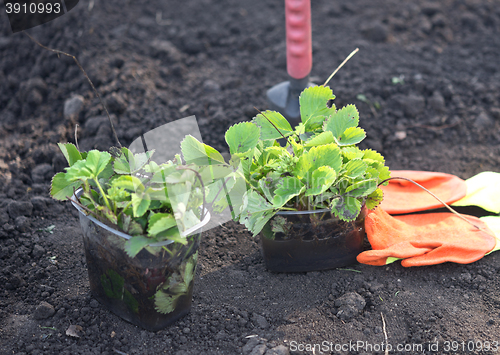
(426, 82)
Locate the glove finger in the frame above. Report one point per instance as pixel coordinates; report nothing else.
(493, 224)
(383, 230)
(459, 252)
(401, 251)
(430, 244)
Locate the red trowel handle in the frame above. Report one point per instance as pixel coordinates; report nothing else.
(298, 38)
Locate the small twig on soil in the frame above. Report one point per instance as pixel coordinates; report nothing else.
(385, 334)
(76, 137)
(119, 352)
(341, 65)
(349, 270)
(88, 79)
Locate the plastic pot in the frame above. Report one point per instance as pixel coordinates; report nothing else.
(311, 241)
(151, 290)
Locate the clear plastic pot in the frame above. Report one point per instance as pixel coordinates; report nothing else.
(311, 241)
(151, 290)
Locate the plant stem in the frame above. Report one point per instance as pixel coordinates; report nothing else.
(103, 194)
(168, 251)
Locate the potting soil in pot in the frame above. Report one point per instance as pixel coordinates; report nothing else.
(311, 242)
(149, 290)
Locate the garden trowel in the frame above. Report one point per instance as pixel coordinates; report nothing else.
(284, 97)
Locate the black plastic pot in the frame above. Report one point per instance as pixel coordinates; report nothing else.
(151, 290)
(311, 241)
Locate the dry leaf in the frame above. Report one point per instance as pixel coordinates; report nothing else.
(74, 330)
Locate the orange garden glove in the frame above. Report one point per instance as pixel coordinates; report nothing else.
(428, 239)
(402, 196)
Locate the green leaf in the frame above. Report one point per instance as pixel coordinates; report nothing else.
(215, 190)
(255, 203)
(242, 137)
(321, 139)
(127, 182)
(118, 194)
(173, 234)
(374, 199)
(130, 301)
(279, 225)
(112, 284)
(152, 167)
(256, 212)
(178, 288)
(271, 153)
(214, 172)
(257, 221)
(346, 208)
(322, 179)
(190, 269)
(314, 123)
(97, 161)
(347, 117)
(128, 163)
(160, 222)
(265, 185)
(164, 302)
(233, 196)
(352, 135)
(70, 152)
(195, 152)
(140, 204)
(362, 188)
(373, 155)
(108, 214)
(161, 175)
(384, 173)
(271, 123)
(377, 170)
(48, 229)
(313, 103)
(61, 189)
(351, 153)
(130, 226)
(316, 157)
(288, 188)
(158, 194)
(189, 219)
(135, 244)
(355, 168)
(105, 176)
(79, 171)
